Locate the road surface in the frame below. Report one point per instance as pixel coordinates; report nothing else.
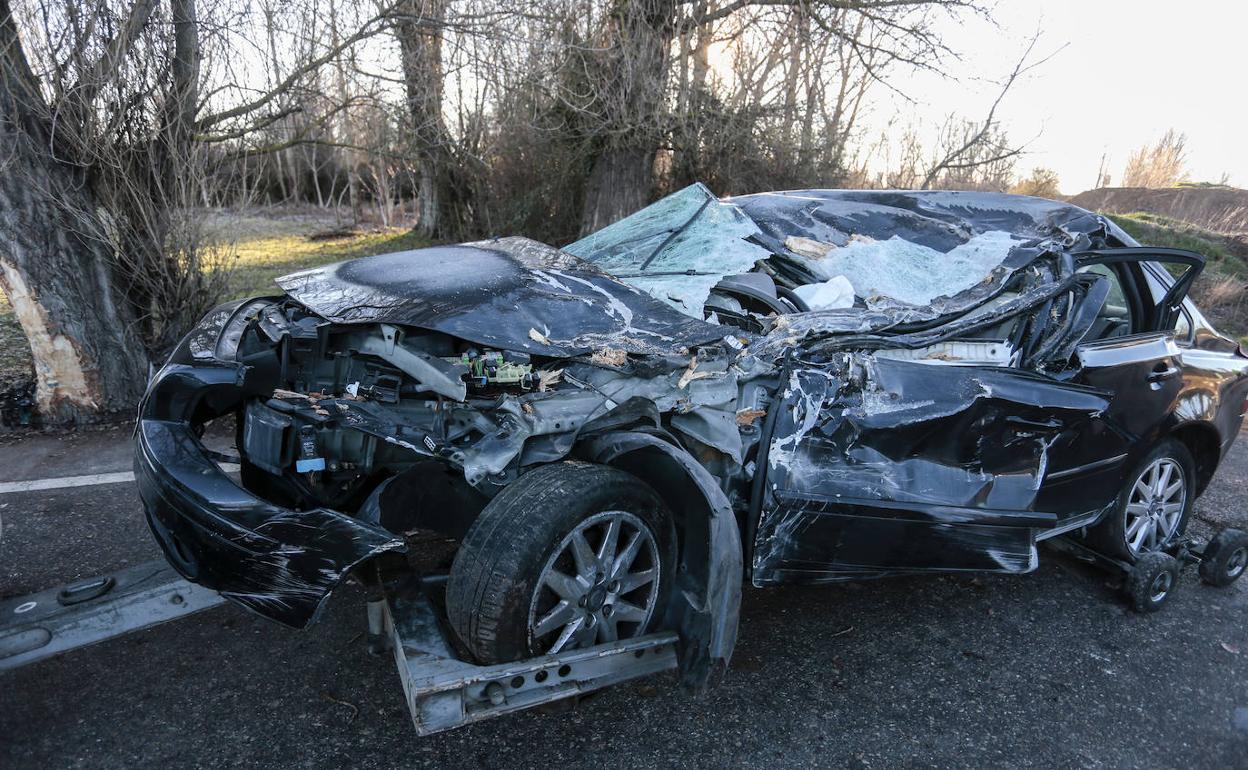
(1046, 670)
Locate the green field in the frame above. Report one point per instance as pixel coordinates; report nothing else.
(1222, 289)
(260, 260)
(263, 249)
(1225, 255)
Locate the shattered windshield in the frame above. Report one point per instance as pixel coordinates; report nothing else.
(681, 249)
(677, 249)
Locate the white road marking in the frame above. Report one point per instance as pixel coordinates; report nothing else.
(65, 482)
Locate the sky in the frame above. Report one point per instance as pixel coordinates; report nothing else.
(1130, 69)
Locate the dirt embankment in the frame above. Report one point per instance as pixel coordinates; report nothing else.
(1221, 209)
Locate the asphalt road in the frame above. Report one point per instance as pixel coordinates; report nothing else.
(1048, 669)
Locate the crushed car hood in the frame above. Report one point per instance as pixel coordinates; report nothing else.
(510, 293)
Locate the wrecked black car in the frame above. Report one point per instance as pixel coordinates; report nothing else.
(802, 386)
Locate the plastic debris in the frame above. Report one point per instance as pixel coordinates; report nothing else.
(547, 378)
(609, 357)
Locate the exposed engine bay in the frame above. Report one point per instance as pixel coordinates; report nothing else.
(359, 404)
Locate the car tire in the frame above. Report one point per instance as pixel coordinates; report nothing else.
(536, 574)
(1116, 534)
(1225, 558)
(1152, 581)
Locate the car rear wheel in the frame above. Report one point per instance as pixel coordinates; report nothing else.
(1152, 509)
(569, 556)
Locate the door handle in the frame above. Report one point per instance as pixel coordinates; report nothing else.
(1159, 374)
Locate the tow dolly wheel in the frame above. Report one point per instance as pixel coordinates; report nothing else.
(1151, 581)
(1225, 558)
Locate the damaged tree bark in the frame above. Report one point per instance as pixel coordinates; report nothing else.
(55, 258)
(102, 150)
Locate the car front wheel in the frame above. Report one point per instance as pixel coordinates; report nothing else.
(1152, 509)
(569, 556)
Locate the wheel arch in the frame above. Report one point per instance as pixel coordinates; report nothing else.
(428, 495)
(1205, 444)
(707, 594)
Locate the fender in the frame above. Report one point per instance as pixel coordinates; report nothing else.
(707, 594)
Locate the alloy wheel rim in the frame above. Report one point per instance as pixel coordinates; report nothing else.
(600, 584)
(1161, 586)
(1155, 506)
(1235, 565)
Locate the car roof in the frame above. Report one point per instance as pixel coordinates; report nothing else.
(940, 219)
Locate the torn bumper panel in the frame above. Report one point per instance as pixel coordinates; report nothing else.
(274, 561)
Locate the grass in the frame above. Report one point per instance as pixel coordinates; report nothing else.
(261, 260)
(1220, 291)
(265, 248)
(1225, 256)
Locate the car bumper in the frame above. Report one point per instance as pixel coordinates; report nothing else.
(275, 561)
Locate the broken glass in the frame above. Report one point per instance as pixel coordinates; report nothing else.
(903, 270)
(677, 249)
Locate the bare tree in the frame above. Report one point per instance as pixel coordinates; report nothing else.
(107, 137)
(1042, 183)
(1163, 164)
(1103, 178)
(980, 149)
(622, 103)
(419, 27)
(627, 67)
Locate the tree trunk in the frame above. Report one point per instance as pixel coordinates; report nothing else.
(620, 184)
(630, 74)
(692, 118)
(427, 198)
(55, 262)
(443, 195)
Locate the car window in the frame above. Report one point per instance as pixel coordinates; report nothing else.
(1183, 327)
(1114, 318)
(1157, 286)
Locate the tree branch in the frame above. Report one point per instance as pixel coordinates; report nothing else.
(85, 89)
(366, 30)
(846, 5)
(951, 159)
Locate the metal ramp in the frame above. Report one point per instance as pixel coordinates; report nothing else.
(85, 612)
(443, 691)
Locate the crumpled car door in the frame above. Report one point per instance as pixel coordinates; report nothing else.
(879, 466)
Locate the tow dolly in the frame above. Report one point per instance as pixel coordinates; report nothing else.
(442, 689)
(1150, 582)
